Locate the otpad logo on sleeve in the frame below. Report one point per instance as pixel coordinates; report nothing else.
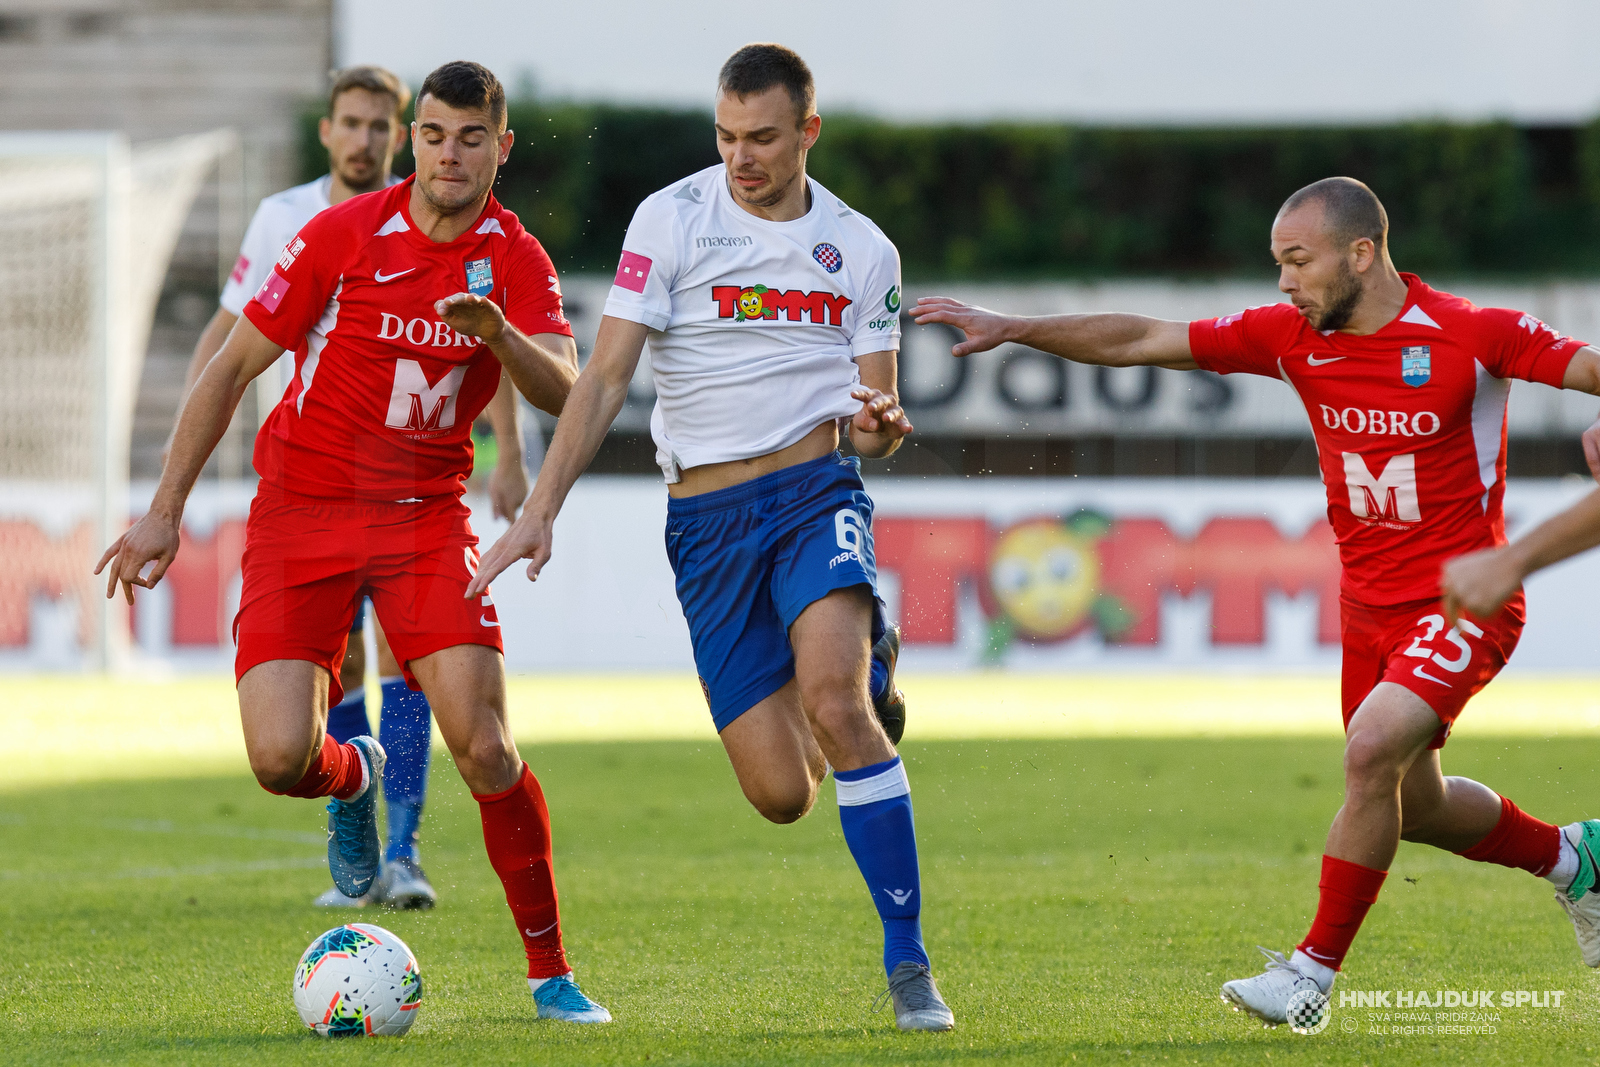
(480, 278)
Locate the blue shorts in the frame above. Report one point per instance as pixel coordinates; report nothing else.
(359, 623)
(750, 558)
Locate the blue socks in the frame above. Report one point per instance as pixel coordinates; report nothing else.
(348, 718)
(875, 811)
(407, 737)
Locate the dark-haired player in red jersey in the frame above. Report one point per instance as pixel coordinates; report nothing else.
(401, 307)
(1406, 389)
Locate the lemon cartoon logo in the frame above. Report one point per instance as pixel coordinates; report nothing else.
(753, 305)
(1045, 582)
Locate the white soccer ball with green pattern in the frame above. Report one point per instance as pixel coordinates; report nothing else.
(358, 980)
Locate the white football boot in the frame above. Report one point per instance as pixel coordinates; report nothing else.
(332, 897)
(1267, 995)
(1581, 899)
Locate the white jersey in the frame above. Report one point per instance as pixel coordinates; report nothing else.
(275, 223)
(757, 324)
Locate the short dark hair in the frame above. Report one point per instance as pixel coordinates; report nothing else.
(465, 85)
(1350, 210)
(755, 68)
(373, 80)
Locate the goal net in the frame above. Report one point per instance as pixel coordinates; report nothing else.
(89, 226)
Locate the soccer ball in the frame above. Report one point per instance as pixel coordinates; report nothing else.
(358, 980)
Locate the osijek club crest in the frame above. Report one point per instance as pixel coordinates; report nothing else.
(1416, 365)
(480, 279)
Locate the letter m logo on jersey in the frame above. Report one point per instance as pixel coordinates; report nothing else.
(418, 407)
(1389, 497)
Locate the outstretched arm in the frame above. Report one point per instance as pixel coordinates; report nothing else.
(204, 419)
(508, 482)
(1483, 581)
(542, 366)
(1107, 340)
(596, 400)
(877, 429)
(1583, 374)
(209, 344)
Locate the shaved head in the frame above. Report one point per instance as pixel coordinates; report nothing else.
(1350, 211)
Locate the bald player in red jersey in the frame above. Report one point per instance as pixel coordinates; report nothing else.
(402, 308)
(1406, 388)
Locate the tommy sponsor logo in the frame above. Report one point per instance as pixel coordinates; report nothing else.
(1371, 420)
(1386, 499)
(724, 242)
(750, 302)
(421, 409)
(422, 332)
(291, 252)
(850, 534)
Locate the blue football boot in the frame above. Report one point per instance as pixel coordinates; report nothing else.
(560, 998)
(354, 854)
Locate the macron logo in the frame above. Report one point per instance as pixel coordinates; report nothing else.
(633, 271)
(899, 896)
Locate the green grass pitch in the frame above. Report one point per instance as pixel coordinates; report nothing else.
(1083, 901)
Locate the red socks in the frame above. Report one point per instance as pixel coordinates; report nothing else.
(1347, 891)
(337, 771)
(516, 829)
(1519, 840)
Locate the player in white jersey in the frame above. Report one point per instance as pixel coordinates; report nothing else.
(772, 312)
(364, 128)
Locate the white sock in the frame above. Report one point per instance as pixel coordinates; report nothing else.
(1566, 868)
(535, 983)
(1318, 972)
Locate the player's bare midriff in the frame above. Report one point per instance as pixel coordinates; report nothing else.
(709, 477)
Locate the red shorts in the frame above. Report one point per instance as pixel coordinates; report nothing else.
(308, 563)
(1409, 645)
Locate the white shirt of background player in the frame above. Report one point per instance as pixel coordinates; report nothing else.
(273, 226)
(756, 324)
(361, 135)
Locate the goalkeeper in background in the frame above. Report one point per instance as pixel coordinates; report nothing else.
(363, 129)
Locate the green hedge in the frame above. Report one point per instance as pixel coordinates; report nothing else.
(1015, 200)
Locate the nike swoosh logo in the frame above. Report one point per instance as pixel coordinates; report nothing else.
(1314, 954)
(1315, 362)
(546, 930)
(484, 620)
(1420, 673)
(380, 277)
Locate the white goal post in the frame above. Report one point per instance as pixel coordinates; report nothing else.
(89, 224)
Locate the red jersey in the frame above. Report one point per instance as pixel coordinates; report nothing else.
(384, 392)
(1410, 424)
